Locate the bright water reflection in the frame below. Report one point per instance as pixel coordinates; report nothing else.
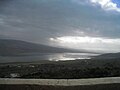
(46, 56)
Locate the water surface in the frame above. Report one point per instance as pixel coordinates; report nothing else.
(46, 56)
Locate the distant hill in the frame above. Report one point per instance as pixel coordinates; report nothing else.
(10, 47)
(109, 56)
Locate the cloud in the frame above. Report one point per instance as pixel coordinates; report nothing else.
(1, 21)
(89, 43)
(39, 20)
(81, 2)
(106, 4)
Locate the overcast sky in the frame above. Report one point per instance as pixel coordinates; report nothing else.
(79, 24)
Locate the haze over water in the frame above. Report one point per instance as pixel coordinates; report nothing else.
(46, 56)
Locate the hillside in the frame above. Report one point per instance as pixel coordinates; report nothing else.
(108, 56)
(16, 47)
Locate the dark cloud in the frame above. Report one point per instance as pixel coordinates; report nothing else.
(39, 20)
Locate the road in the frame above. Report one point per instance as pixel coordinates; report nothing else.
(60, 82)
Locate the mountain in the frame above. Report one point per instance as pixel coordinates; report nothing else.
(10, 47)
(108, 56)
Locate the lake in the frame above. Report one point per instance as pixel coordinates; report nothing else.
(46, 56)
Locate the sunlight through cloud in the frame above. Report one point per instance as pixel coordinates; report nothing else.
(107, 4)
(90, 43)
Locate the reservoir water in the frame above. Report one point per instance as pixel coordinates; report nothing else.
(46, 56)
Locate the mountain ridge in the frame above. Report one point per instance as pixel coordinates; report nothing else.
(108, 56)
(9, 47)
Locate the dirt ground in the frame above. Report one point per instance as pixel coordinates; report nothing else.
(82, 87)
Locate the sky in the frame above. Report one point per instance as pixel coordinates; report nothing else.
(80, 24)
